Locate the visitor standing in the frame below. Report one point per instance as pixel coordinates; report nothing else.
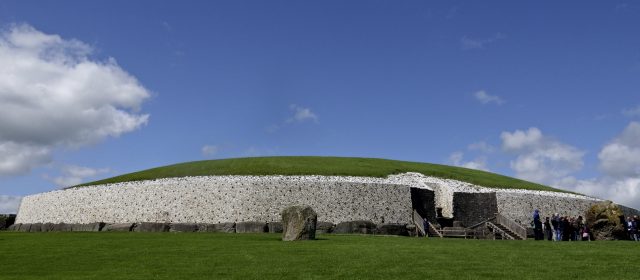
(631, 229)
(555, 222)
(537, 225)
(547, 229)
(425, 226)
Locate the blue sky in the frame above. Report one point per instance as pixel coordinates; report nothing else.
(543, 91)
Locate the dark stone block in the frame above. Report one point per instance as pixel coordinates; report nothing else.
(324, 227)
(275, 227)
(251, 227)
(472, 208)
(458, 224)
(37, 227)
(24, 228)
(361, 227)
(87, 227)
(393, 229)
(118, 227)
(222, 227)
(152, 227)
(61, 227)
(183, 227)
(13, 227)
(46, 227)
(423, 201)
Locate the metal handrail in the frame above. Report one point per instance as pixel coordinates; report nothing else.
(418, 221)
(435, 229)
(482, 223)
(500, 231)
(516, 228)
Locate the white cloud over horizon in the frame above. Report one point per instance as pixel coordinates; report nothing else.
(9, 204)
(486, 98)
(53, 95)
(210, 150)
(300, 115)
(540, 158)
(71, 175)
(479, 163)
(632, 112)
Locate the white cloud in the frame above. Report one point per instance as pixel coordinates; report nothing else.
(482, 147)
(54, 95)
(210, 150)
(621, 157)
(72, 175)
(457, 159)
(486, 98)
(301, 114)
(9, 204)
(540, 158)
(633, 112)
(471, 44)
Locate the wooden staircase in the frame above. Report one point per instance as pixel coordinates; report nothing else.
(499, 226)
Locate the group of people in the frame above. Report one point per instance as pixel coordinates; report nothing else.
(558, 228)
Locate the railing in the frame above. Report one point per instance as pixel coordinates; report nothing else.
(482, 223)
(435, 229)
(418, 221)
(517, 229)
(498, 230)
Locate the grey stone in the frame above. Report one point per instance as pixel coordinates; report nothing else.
(151, 227)
(46, 227)
(12, 227)
(24, 228)
(222, 227)
(393, 229)
(324, 227)
(37, 227)
(275, 227)
(299, 223)
(87, 227)
(361, 227)
(61, 227)
(251, 227)
(183, 227)
(118, 227)
(472, 208)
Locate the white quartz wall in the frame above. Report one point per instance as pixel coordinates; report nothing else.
(217, 199)
(519, 206)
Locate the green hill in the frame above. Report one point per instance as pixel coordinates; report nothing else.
(329, 166)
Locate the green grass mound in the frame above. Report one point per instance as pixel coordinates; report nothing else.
(328, 166)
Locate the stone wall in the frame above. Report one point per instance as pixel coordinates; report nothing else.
(519, 206)
(472, 208)
(219, 199)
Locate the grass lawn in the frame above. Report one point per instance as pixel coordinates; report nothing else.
(341, 166)
(103, 255)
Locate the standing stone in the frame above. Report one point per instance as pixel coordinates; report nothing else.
(299, 223)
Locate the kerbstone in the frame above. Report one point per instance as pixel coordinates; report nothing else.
(360, 227)
(221, 227)
(151, 227)
(118, 227)
(275, 227)
(299, 223)
(251, 227)
(183, 227)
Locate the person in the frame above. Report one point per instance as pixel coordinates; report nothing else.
(537, 225)
(555, 222)
(566, 228)
(547, 229)
(631, 229)
(585, 233)
(425, 225)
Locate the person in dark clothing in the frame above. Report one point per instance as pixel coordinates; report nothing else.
(566, 229)
(425, 225)
(547, 229)
(537, 225)
(555, 222)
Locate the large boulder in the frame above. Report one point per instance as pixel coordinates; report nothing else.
(222, 227)
(361, 227)
(87, 227)
(151, 227)
(183, 227)
(251, 227)
(299, 223)
(604, 221)
(119, 227)
(393, 229)
(324, 227)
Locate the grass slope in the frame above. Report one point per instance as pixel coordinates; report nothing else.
(103, 255)
(329, 166)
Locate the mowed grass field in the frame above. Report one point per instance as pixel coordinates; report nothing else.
(328, 166)
(104, 255)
